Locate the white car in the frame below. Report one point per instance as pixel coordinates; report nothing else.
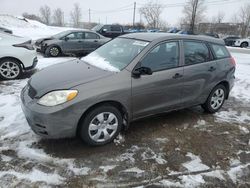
(243, 43)
(17, 55)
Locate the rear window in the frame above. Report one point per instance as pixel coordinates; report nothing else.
(220, 51)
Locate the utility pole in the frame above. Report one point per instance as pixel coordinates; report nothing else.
(134, 14)
(89, 16)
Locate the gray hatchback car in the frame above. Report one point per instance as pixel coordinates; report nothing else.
(130, 77)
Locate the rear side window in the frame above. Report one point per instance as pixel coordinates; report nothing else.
(89, 35)
(195, 52)
(220, 51)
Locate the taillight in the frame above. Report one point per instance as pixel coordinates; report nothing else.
(232, 60)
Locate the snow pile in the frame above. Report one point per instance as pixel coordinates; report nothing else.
(96, 60)
(195, 164)
(241, 88)
(28, 28)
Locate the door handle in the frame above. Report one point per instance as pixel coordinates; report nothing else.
(95, 40)
(177, 75)
(211, 69)
(79, 41)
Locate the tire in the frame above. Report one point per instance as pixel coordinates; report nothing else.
(244, 45)
(10, 69)
(216, 99)
(53, 51)
(93, 132)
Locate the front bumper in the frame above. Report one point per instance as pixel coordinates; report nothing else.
(49, 122)
(33, 66)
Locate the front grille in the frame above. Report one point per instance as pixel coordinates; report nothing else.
(31, 92)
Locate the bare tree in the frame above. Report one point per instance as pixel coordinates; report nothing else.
(193, 13)
(45, 14)
(151, 12)
(58, 17)
(76, 15)
(31, 16)
(216, 20)
(244, 18)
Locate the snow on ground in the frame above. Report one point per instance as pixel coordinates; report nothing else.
(28, 28)
(36, 165)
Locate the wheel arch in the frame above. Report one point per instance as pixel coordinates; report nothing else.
(16, 59)
(226, 85)
(123, 110)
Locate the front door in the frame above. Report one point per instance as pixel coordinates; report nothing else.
(160, 91)
(74, 42)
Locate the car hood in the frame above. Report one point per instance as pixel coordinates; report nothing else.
(65, 76)
(39, 41)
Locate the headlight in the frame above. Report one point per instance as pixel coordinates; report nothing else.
(54, 98)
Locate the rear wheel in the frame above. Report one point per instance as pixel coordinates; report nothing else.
(101, 125)
(244, 45)
(216, 99)
(10, 69)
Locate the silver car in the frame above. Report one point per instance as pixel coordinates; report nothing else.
(69, 42)
(130, 77)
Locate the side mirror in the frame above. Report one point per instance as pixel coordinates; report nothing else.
(142, 71)
(66, 38)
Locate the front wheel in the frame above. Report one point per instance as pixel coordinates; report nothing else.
(53, 51)
(10, 69)
(216, 99)
(244, 45)
(101, 125)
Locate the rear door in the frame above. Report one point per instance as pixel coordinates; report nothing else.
(91, 42)
(161, 91)
(200, 72)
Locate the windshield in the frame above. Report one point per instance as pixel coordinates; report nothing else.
(60, 35)
(116, 54)
(97, 27)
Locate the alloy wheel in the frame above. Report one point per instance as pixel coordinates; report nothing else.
(9, 70)
(54, 51)
(217, 98)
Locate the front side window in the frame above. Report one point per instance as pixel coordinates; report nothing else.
(75, 36)
(220, 51)
(163, 56)
(195, 52)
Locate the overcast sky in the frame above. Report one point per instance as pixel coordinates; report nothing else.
(119, 11)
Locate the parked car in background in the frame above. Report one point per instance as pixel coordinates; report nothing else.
(215, 35)
(17, 55)
(243, 43)
(111, 31)
(70, 42)
(173, 30)
(5, 30)
(130, 77)
(230, 40)
(184, 32)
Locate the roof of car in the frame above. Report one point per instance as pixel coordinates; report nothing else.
(166, 36)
